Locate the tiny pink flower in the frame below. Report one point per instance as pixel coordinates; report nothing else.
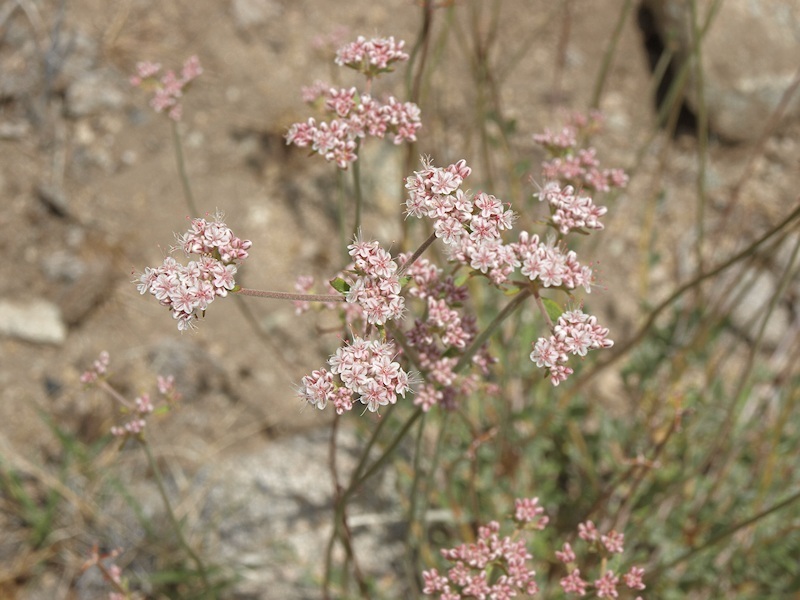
(606, 586)
(633, 578)
(573, 584)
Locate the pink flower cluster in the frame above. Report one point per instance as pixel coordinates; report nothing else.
(441, 335)
(142, 405)
(371, 57)
(475, 565)
(355, 118)
(472, 229)
(136, 424)
(528, 511)
(575, 165)
(550, 265)
(364, 369)
(376, 287)
(569, 210)
(111, 572)
(168, 89)
(189, 289)
(98, 370)
(495, 567)
(606, 585)
(354, 115)
(574, 333)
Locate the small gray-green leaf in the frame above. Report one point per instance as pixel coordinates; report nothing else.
(553, 309)
(340, 285)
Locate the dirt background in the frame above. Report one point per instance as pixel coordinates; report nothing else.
(90, 194)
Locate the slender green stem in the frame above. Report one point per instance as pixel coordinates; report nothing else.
(608, 56)
(414, 497)
(653, 316)
(417, 253)
(289, 296)
(727, 533)
(481, 339)
(357, 481)
(187, 190)
(201, 569)
(356, 167)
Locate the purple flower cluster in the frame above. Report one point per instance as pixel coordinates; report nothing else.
(168, 89)
(376, 288)
(471, 575)
(441, 335)
(189, 289)
(574, 333)
(371, 57)
(364, 369)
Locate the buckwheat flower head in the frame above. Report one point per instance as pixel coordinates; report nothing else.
(570, 163)
(566, 554)
(569, 210)
(606, 586)
(376, 285)
(371, 57)
(633, 578)
(527, 510)
(363, 370)
(354, 117)
(588, 532)
(469, 575)
(573, 584)
(169, 88)
(613, 541)
(574, 333)
(188, 290)
(99, 368)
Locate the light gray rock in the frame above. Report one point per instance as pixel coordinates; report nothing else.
(93, 92)
(759, 287)
(37, 321)
(750, 55)
(252, 13)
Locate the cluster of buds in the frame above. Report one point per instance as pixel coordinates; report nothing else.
(187, 290)
(353, 115)
(572, 164)
(605, 586)
(371, 57)
(169, 87)
(136, 411)
(574, 333)
(376, 286)
(363, 370)
(499, 567)
(475, 565)
(111, 573)
(569, 210)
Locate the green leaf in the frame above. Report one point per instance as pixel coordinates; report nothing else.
(553, 309)
(462, 279)
(340, 285)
